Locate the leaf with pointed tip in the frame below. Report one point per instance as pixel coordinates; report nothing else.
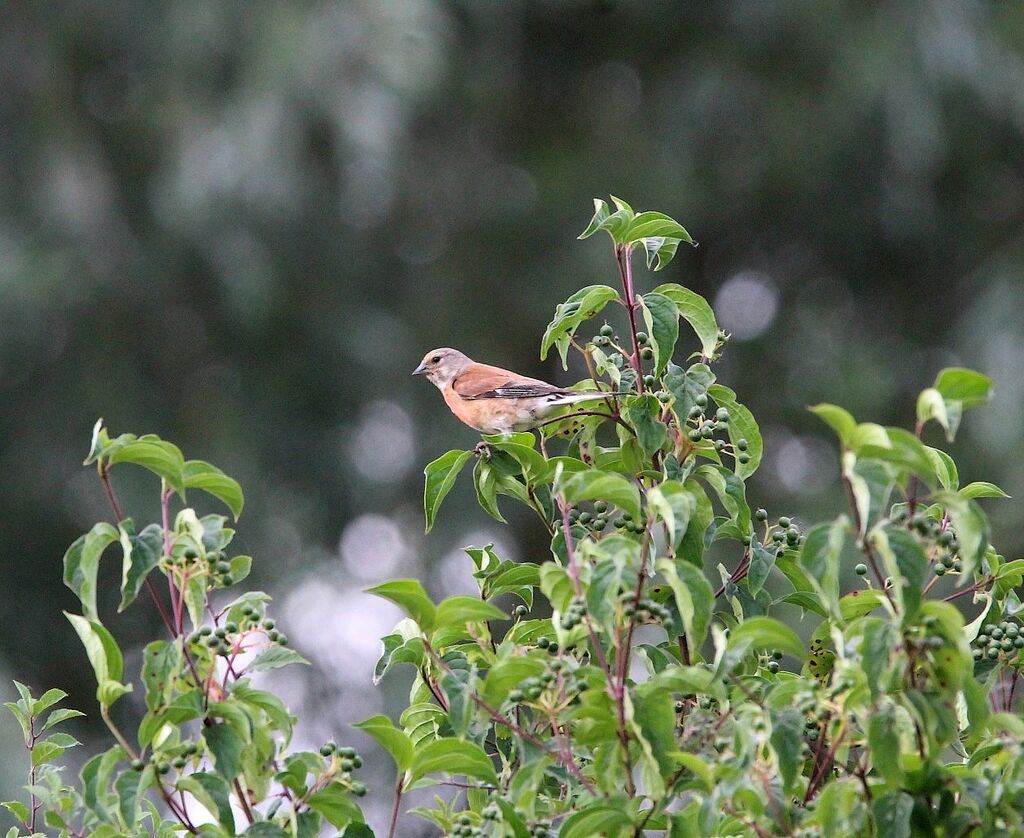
(439, 478)
(696, 311)
(210, 479)
(580, 307)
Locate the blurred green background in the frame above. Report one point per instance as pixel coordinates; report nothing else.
(240, 225)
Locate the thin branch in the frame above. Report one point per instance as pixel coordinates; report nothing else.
(623, 254)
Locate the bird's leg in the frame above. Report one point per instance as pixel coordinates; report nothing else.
(482, 449)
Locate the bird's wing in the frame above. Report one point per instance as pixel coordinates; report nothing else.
(480, 381)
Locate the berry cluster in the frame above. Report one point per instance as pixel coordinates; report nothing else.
(998, 641)
(771, 661)
(784, 534)
(644, 610)
(574, 614)
(227, 639)
(596, 521)
(347, 761)
(937, 535)
(551, 685)
(214, 565)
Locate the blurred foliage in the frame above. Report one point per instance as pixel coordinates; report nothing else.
(241, 225)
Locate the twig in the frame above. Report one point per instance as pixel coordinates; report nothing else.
(623, 253)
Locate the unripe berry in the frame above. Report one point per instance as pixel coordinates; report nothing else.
(861, 569)
(647, 353)
(607, 331)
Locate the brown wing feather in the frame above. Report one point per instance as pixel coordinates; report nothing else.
(481, 381)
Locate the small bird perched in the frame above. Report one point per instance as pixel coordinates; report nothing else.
(492, 400)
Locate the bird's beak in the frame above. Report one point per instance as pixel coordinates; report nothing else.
(420, 370)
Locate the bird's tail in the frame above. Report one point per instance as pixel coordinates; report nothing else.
(572, 397)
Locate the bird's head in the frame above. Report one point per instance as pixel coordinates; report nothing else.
(440, 366)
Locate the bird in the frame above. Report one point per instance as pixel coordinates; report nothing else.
(493, 400)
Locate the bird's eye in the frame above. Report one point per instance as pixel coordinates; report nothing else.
(435, 359)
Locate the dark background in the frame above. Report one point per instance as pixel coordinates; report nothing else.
(240, 226)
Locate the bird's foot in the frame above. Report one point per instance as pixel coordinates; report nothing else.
(482, 449)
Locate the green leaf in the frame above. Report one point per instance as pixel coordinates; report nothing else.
(656, 224)
(158, 456)
(226, 745)
(395, 741)
(485, 481)
(966, 386)
(452, 756)
(787, 739)
(742, 425)
(660, 251)
(409, 595)
(931, 405)
(972, 529)
(765, 633)
(212, 792)
(129, 787)
(274, 657)
(694, 598)
(696, 311)
(884, 742)
(201, 475)
(62, 715)
(820, 555)
(334, 803)
(507, 674)
(19, 810)
(892, 814)
(662, 319)
(945, 468)
(459, 610)
(905, 562)
(142, 553)
(81, 564)
(160, 664)
(901, 448)
(265, 829)
(440, 477)
(101, 648)
(597, 819)
(602, 485)
(838, 419)
(982, 489)
(643, 414)
(581, 306)
(615, 224)
(960, 390)
(47, 700)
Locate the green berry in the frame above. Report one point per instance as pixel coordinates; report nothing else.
(784, 522)
(702, 399)
(940, 570)
(761, 514)
(694, 435)
(520, 611)
(585, 518)
(695, 412)
(722, 414)
(599, 525)
(607, 331)
(650, 381)
(641, 338)
(138, 765)
(227, 579)
(346, 764)
(993, 652)
(647, 353)
(742, 444)
(347, 751)
(358, 789)
(206, 631)
(1018, 642)
(978, 654)
(600, 506)
(743, 458)
(327, 749)
(663, 397)
(357, 761)
(773, 666)
(222, 567)
(861, 569)
(543, 642)
(989, 628)
(515, 696)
